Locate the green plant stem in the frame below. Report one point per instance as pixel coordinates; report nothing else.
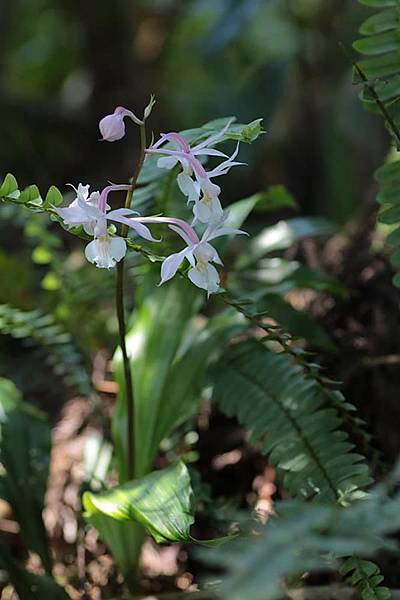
(119, 300)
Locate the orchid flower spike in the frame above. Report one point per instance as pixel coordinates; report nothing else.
(92, 212)
(198, 251)
(200, 189)
(112, 127)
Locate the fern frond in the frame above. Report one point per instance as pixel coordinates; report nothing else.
(366, 578)
(287, 411)
(381, 77)
(44, 331)
(380, 71)
(303, 537)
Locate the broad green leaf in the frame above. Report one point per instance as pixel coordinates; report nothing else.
(153, 342)
(282, 235)
(25, 454)
(185, 379)
(124, 540)
(161, 502)
(9, 185)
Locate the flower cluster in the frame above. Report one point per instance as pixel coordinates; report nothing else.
(92, 212)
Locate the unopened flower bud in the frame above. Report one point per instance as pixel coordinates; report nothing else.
(112, 127)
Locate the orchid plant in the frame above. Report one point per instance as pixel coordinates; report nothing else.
(93, 215)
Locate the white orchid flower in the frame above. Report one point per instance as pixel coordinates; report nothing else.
(194, 181)
(198, 251)
(92, 212)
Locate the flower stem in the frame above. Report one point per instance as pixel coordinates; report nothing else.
(119, 300)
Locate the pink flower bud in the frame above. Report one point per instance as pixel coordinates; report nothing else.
(112, 127)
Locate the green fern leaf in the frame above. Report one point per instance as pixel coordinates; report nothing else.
(289, 412)
(44, 331)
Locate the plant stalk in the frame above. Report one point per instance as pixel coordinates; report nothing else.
(119, 301)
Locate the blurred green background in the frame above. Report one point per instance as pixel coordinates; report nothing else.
(66, 63)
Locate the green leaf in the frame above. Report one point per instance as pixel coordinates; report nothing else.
(9, 185)
(53, 197)
(31, 195)
(381, 22)
(161, 502)
(378, 44)
(27, 585)
(45, 331)
(390, 215)
(153, 343)
(304, 537)
(383, 66)
(292, 416)
(245, 133)
(24, 455)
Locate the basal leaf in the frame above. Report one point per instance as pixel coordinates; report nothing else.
(30, 586)
(160, 501)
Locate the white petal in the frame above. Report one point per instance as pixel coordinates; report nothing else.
(182, 233)
(202, 212)
(117, 248)
(82, 191)
(216, 209)
(105, 252)
(90, 227)
(73, 215)
(167, 162)
(171, 264)
(206, 278)
(188, 187)
(142, 230)
(215, 233)
(210, 152)
(214, 137)
(204, 252)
